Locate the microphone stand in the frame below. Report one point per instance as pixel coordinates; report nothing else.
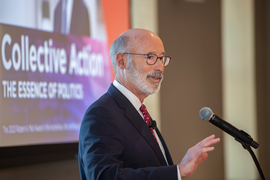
(247, 147)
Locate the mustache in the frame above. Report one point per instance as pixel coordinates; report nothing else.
(155, 74)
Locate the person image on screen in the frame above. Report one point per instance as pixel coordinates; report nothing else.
(71, 17)
(118, 139)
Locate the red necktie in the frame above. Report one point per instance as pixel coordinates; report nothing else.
(147, 118)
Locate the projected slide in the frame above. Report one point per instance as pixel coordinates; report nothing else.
(54, 62)
(47, 82)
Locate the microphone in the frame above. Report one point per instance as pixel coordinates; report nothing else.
(239, 135)
(153, 124)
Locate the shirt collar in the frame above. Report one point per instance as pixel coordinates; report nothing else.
(128, 94)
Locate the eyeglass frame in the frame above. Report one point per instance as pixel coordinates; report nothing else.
(161, 57)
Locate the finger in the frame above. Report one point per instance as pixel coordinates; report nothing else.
(201, 151)
(210, 137)
(210, 140)
(207, 149)
(207, 139)
(203, 157)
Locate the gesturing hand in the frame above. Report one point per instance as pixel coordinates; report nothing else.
(195, 155)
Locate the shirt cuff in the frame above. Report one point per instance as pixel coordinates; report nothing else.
(178, 173)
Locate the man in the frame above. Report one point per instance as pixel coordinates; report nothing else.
(115, 141)
(71, 17)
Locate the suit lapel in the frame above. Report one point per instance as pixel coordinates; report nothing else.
(168, 155)
(141, 126)
(135, 118)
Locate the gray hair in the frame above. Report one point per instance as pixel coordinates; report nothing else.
(119, 45)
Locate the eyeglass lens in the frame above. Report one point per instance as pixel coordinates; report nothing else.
(153, 59)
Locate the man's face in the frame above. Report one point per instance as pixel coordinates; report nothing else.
(146, 78)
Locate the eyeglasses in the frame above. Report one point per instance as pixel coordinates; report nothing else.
(152, 58)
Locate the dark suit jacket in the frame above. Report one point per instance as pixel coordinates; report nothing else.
(115, 143)
(79, 24)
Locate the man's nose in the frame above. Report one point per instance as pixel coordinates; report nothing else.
(159, 65)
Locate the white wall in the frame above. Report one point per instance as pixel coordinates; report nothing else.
(239, 105)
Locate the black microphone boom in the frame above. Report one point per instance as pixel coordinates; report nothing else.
(240, 135)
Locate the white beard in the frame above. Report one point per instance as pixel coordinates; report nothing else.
(142, 82)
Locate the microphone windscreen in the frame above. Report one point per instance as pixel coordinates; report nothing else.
(206, 113)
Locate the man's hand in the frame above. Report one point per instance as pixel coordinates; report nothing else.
(195, 155)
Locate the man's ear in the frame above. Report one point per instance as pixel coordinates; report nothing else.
(121, 60)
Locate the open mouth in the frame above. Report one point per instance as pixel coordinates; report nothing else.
(155, 79)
